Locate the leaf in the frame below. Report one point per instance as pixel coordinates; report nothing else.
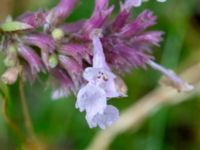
(14, 26)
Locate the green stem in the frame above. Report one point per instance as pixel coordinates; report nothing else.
(27, 119)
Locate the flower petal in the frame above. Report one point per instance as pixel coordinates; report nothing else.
(91, 99)
(104, 120)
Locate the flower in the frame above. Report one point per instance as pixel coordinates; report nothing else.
(106, 119)
(91, 99)
(101, 86)
(85, 57)
(59, 13)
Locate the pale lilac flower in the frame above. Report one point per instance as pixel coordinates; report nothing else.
(101, 86)
(103, 79)
(106, 119)
(91, 99)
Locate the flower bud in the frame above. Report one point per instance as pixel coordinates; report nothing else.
(11, 58)
(57, 34)
(121, 86)
(10, 76)
(10, 61)
(53, 61)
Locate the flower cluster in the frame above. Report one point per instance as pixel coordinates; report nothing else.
(85, 57)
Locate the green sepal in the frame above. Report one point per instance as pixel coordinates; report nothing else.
(14, 26)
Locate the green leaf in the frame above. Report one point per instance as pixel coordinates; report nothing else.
(14, 26)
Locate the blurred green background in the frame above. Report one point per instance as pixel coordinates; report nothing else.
(62, 127)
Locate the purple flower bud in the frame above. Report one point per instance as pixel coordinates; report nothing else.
(73, 68)
(61, 11)
(77, 51)
(99, 16)
(72, 27)
(121, 19)
(36, 19)
(147, 38)
(29, 55)
(62, 84)
(142, 22)
(101, 5)
(44, 42)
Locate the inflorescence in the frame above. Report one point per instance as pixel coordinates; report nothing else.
(85, 57)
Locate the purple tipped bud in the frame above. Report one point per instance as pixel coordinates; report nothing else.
(142, 22)
(60, 12)
(73, 27)
(77, 51)
(36, 19)
(121, 19)
(148, 38)
(101, 4)
(44, 42)
(99, 16)
(73, 68)
(62, 84)
(29, 55)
